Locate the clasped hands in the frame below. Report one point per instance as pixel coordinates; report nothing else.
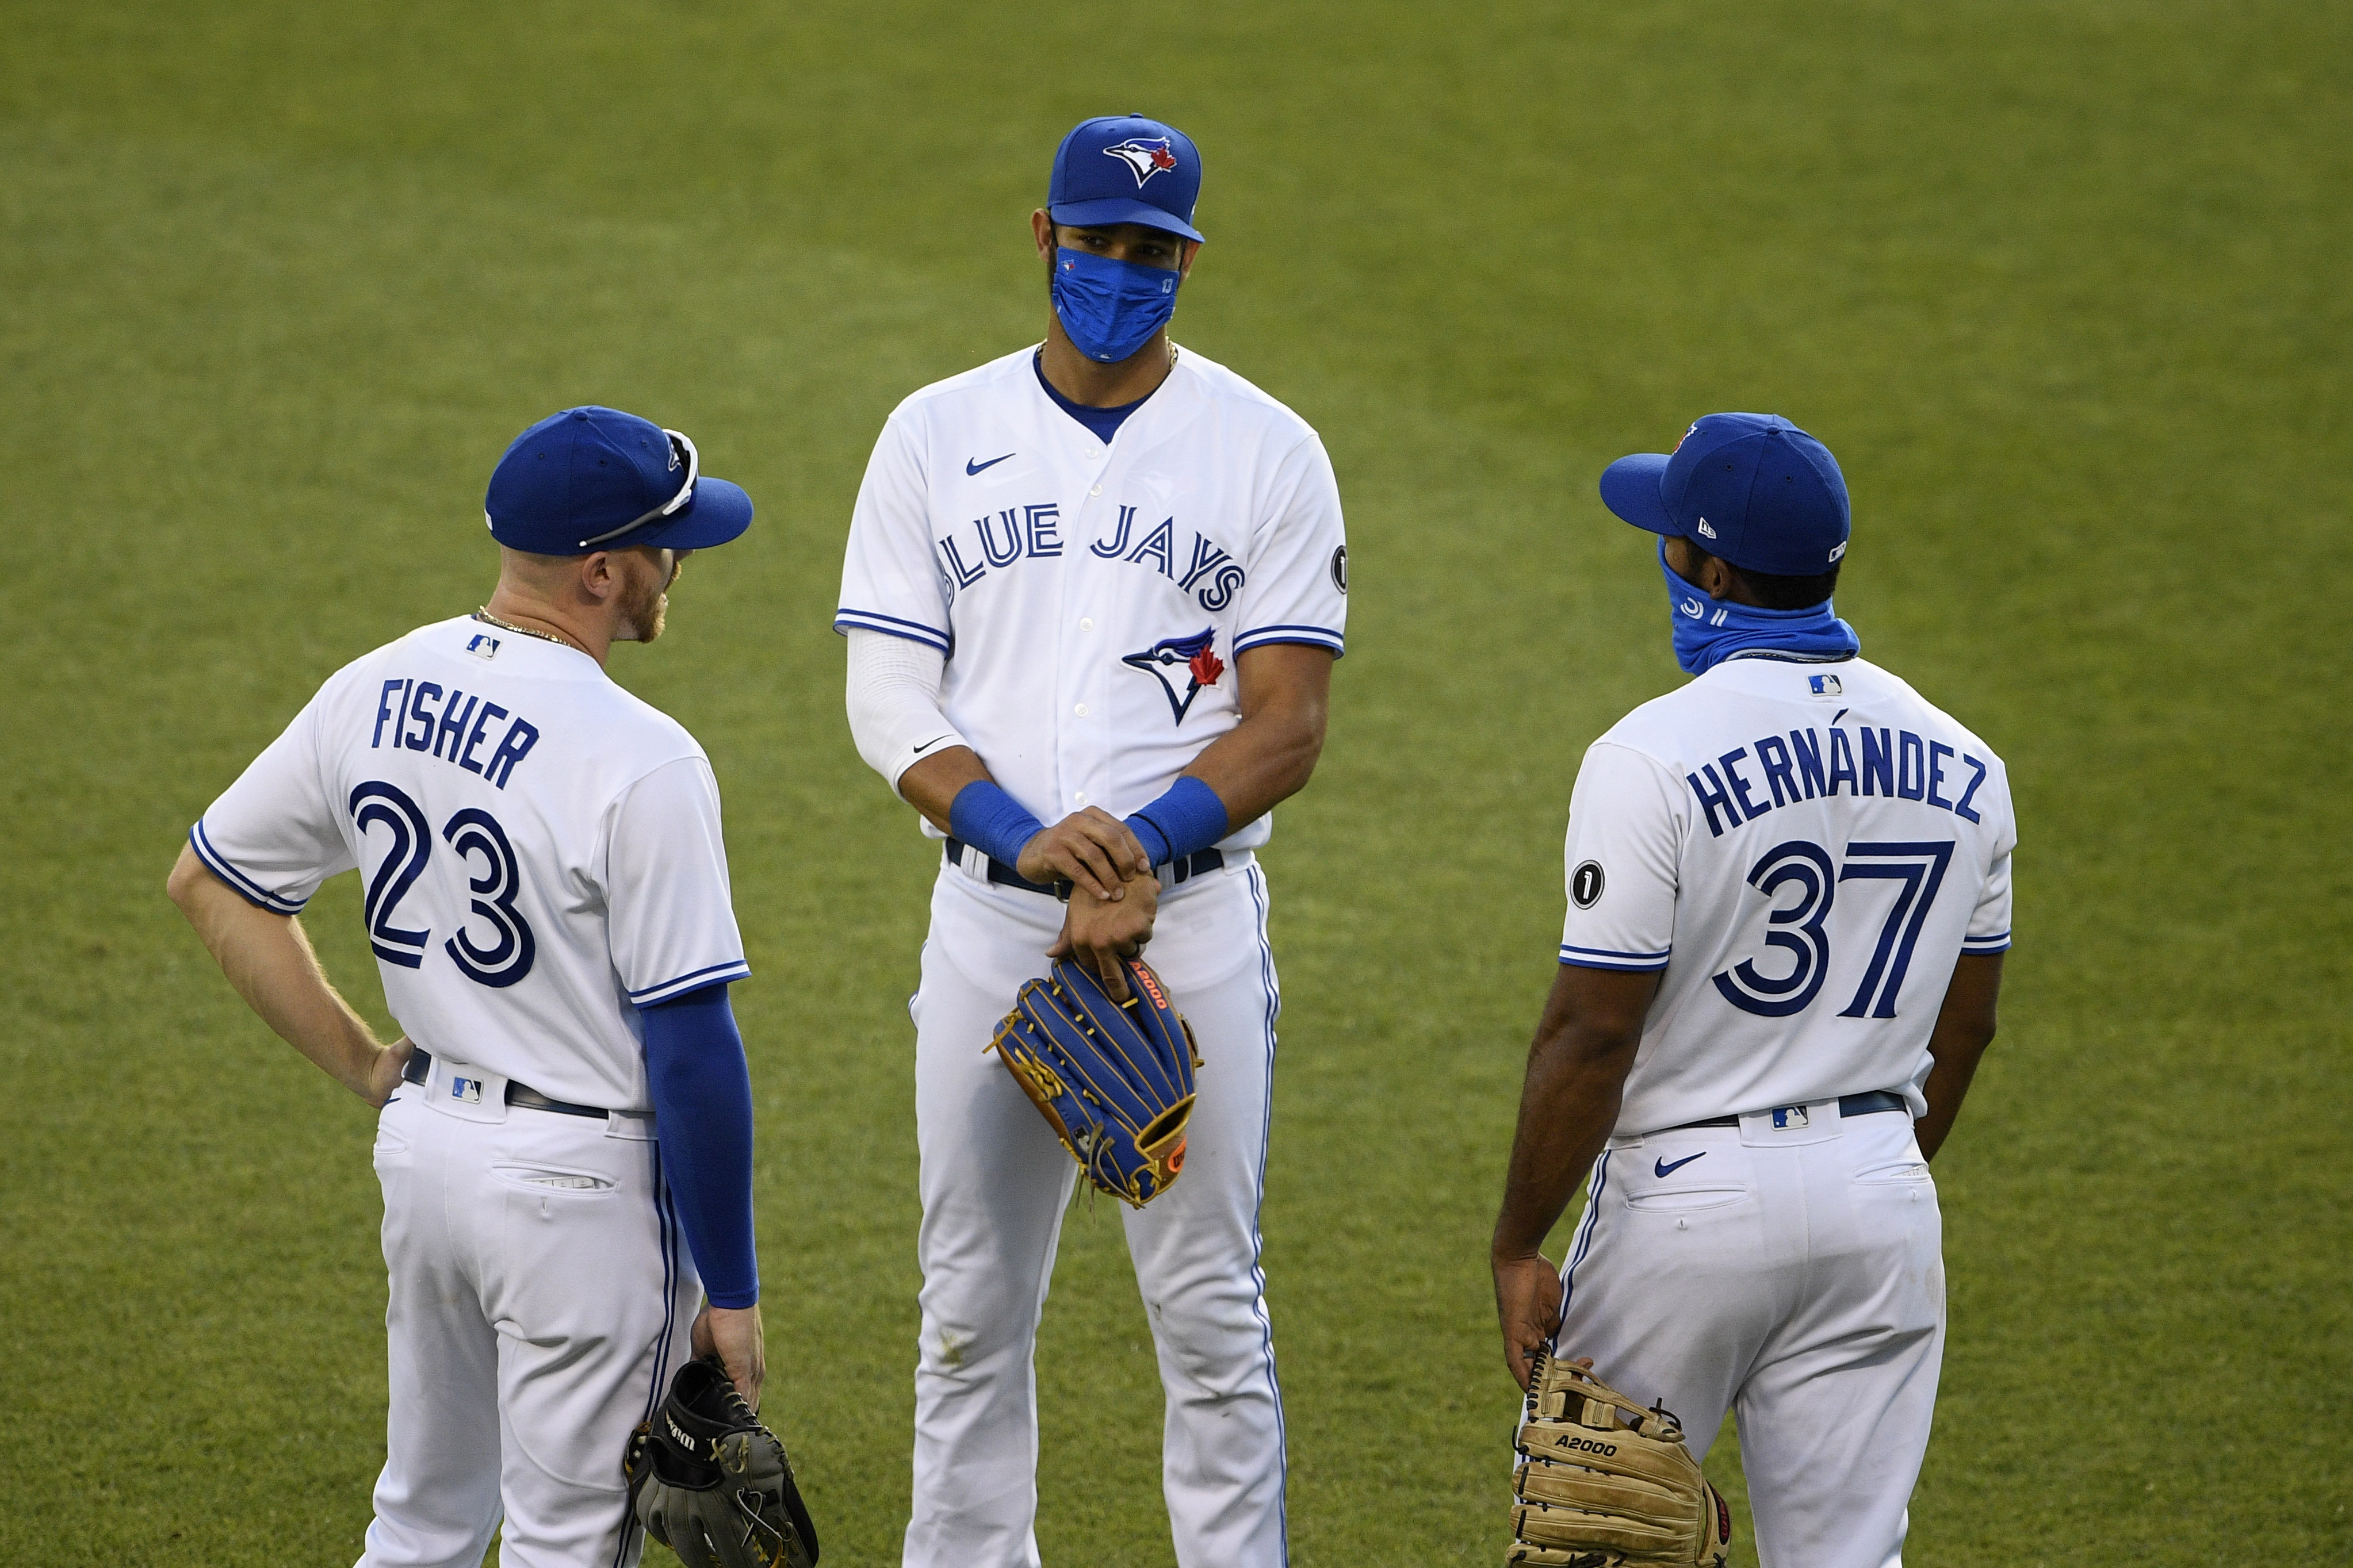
(1114, 893)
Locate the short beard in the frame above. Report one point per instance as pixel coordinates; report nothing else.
(644, 615)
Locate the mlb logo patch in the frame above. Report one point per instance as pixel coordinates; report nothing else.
(468, 1091)
(1790, 1116)
(482, 646)
(1824, 685)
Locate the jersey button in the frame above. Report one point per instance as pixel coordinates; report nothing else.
(1096, 492)
(1080, 798)
(1086, 623)
(1081, 709)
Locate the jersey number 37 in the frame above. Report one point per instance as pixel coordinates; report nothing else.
(470, 833)
(1803, 928)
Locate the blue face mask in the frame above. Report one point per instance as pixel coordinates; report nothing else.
(1110, 309)
(1709, 631)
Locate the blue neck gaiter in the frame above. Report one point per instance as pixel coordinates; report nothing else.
(1110, 309)
(1709, 631)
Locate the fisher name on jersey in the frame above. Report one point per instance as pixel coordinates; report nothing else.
(1803, 850)
(1092, 597)
(540, 850)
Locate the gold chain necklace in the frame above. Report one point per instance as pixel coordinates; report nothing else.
(484, 616)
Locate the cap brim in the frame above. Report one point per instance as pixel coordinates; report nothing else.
(1121, 209)
(719, 512)
(1630, 487)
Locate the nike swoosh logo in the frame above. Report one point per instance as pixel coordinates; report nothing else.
(971, 467)
(929, 744)
(1662, 1168)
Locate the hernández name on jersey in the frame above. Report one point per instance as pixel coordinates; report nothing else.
(1887, 760)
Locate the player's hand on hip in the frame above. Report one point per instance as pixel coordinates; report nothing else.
(1090, 849)
(1527, 1304)
(1100, 932)
(732, 1334)
(384, 1073)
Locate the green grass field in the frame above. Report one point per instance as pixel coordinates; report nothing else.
(2063, 285)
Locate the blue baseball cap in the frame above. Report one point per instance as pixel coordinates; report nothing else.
(598, 479)
(1752, 488)
(1123, 168)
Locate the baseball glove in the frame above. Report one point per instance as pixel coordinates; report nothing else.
(1115, 1082)
(1604, 1483)
(711, 1483)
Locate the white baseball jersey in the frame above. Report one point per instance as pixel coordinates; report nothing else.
(1091, 598)
(541, 850)
(1804, 849)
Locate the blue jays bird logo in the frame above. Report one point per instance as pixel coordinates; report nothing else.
(1144, 157)
(1192, 654)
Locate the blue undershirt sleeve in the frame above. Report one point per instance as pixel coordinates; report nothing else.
(703, 1112)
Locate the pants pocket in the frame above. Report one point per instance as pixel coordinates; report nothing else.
(392, 1138)
(1685, 1200)
(544, 1180)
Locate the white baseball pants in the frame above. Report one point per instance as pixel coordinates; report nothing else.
(541, 1296)
(1795, 1275)
(995, 1183)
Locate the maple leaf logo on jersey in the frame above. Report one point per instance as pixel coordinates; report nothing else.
(1192, 655)
(1144, 157)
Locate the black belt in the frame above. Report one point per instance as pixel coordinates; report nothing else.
(1849, 1105)
(1004, 876)
(420, 1064)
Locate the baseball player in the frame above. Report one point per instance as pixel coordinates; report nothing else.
(1093, 597)
(547, 899)
(1789, 898)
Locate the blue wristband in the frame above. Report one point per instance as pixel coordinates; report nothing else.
(992, 822)
(1147, 833)
(1180, 824)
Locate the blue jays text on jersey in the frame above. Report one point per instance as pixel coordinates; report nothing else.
(1033, 532)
